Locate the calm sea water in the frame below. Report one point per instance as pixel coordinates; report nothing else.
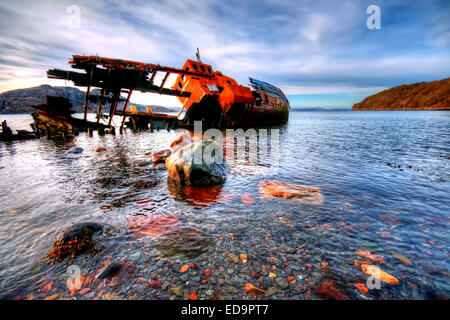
(385, 178)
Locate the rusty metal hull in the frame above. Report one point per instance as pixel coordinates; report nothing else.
(268, 106)
(205, 94)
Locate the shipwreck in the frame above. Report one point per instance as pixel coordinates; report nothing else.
(205, 94)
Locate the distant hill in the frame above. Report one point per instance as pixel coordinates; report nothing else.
(433, 95)
(22, 100)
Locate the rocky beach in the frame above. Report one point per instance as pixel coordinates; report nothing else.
(110, 217)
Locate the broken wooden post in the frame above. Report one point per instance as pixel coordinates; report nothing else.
(153, 77)
(164, 82)
(88, 91)
(100, 107)
(125, 110)
(114, 103)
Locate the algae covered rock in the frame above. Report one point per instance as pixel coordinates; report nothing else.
(73, 241)
(200, 163)
(77, 231)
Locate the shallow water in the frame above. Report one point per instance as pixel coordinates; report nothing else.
(385, 178)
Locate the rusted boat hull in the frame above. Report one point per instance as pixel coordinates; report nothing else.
(206, 95)
(267, 106)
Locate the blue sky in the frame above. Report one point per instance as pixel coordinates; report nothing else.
(319, 52)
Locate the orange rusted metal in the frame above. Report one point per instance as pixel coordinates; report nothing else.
(205, 94)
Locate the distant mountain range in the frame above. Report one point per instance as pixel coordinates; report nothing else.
(433, 95)
(23, 100)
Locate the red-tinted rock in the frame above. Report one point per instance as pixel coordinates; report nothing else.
(100, 149)
(155, 284)
(247, 199)
(154, 226)
(254, 291)
(180, 142)
(372, 257)
(160, 156)
(125, 272)
(328, 290)
(388, 217)
(203, 196)
(298, 193)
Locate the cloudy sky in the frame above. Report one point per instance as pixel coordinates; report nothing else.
(320, 52)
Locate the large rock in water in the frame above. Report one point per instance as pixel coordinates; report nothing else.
(77, 231)
(200, 163)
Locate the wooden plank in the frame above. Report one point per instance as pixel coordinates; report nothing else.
(125, 110)
(100, 107)
(113, 107)
(153, 77)
(82, 80)
(88, 92)
(164, 81)
(84, 62)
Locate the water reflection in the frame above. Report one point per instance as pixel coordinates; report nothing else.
(384, 177)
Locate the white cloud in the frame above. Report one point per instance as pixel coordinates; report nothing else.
(316, 26)
(309, 47)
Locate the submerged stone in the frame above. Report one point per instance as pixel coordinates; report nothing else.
(187, 242)
(114, 275)
(254, 291)
(298, 193)
(368, 255)
(203, 196)
(100, 149)
(376, 272)
(329, 290)
(177, 290)
(76, 150)
(160, 156)
(271, 291)
(154, 226)
(74, 241)
(109, 270)
(77, 230)
(281, 282)
(401, 258)
(234, 257)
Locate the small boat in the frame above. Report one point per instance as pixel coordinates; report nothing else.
(206, 95)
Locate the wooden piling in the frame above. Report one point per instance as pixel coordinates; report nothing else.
(100, 107)
(116, 98)
(88, 92)
(125, 110)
